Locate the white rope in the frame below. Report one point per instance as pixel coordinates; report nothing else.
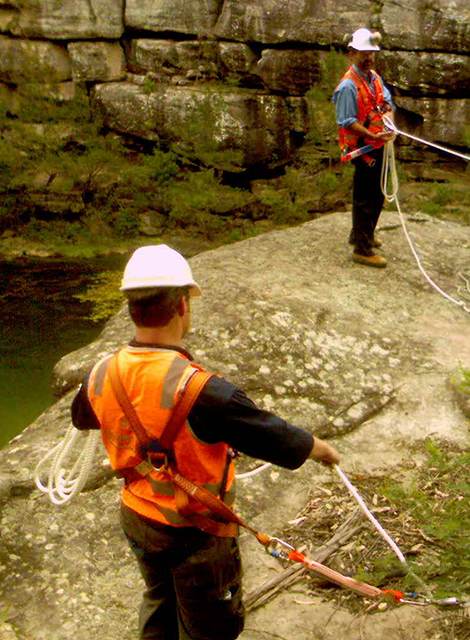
(369, 515)
(249, 474)
(391, 543)
(389, 174)
(62, 486)
(391, 125)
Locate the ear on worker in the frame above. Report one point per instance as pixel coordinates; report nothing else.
(182, 306)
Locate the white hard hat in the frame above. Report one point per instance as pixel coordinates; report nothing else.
(365, 40)
(158, 266)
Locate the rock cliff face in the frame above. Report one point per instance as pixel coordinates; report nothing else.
(145, 61)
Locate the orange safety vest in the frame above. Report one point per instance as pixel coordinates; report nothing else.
(369, 109)
(154, 379)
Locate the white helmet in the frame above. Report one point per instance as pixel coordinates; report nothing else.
(158, 266)
(365, 40)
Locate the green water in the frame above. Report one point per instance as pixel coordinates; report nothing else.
(40, 322)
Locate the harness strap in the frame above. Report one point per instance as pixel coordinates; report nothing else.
(189, 395)
(183, 407)
(125, 403)
(184, 488)
(188, 489)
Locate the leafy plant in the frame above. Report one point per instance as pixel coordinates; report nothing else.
(198, 139)
(74, 157)
(201, 201)
(444, 195)
(323, 127)
(438, 504)
(4, 615)
(150, 86)
(286, 210)
(431, 208)
(126, 222)
(462, 380)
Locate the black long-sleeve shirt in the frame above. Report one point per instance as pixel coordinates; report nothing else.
(224, 413)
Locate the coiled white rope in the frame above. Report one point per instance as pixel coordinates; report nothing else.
(62, 485)
(389, 175)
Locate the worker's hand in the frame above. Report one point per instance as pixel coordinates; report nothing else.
(324, 453)
(385, 136)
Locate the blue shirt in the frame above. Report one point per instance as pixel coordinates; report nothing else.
(345, 99)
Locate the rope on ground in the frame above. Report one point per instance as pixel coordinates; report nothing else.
(391, 543)
(389, 184)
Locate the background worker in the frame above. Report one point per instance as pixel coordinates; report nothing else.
(360, 98)
(193, 578)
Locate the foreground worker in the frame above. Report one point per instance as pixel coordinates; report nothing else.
(193, 578)
(361, 99)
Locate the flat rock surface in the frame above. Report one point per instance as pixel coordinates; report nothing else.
(360, 356)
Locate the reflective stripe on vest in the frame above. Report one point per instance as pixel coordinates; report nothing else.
(368, 106)
(154, 379)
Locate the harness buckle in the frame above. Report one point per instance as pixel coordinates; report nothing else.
(146, 467)
(162, 466)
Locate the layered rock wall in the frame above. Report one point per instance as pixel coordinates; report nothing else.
(144, 61)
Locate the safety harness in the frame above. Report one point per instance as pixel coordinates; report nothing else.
(61, 489)
(371, 106)
(225, 522)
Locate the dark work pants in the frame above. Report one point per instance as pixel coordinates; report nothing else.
(193, 581)
(368, 201)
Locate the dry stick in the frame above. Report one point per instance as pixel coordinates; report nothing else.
(290, 576)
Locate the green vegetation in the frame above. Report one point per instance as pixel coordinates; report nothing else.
(4, 615)
(318, 164)
(286, 207)
(104, 296)
(323, 128)
(444, 194)
(462, 380)
(431, 208)
(430, 517)
(426, 511)
(71, 186)
(448, 199)
(193, 141)
(56, 157)
(435, 507)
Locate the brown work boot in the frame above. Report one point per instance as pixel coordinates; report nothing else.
(377, 242)
(370, 261)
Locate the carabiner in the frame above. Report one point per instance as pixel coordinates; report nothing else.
(275, 552)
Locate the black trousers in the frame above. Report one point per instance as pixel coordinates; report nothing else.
(193, 581)
(368, 201)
